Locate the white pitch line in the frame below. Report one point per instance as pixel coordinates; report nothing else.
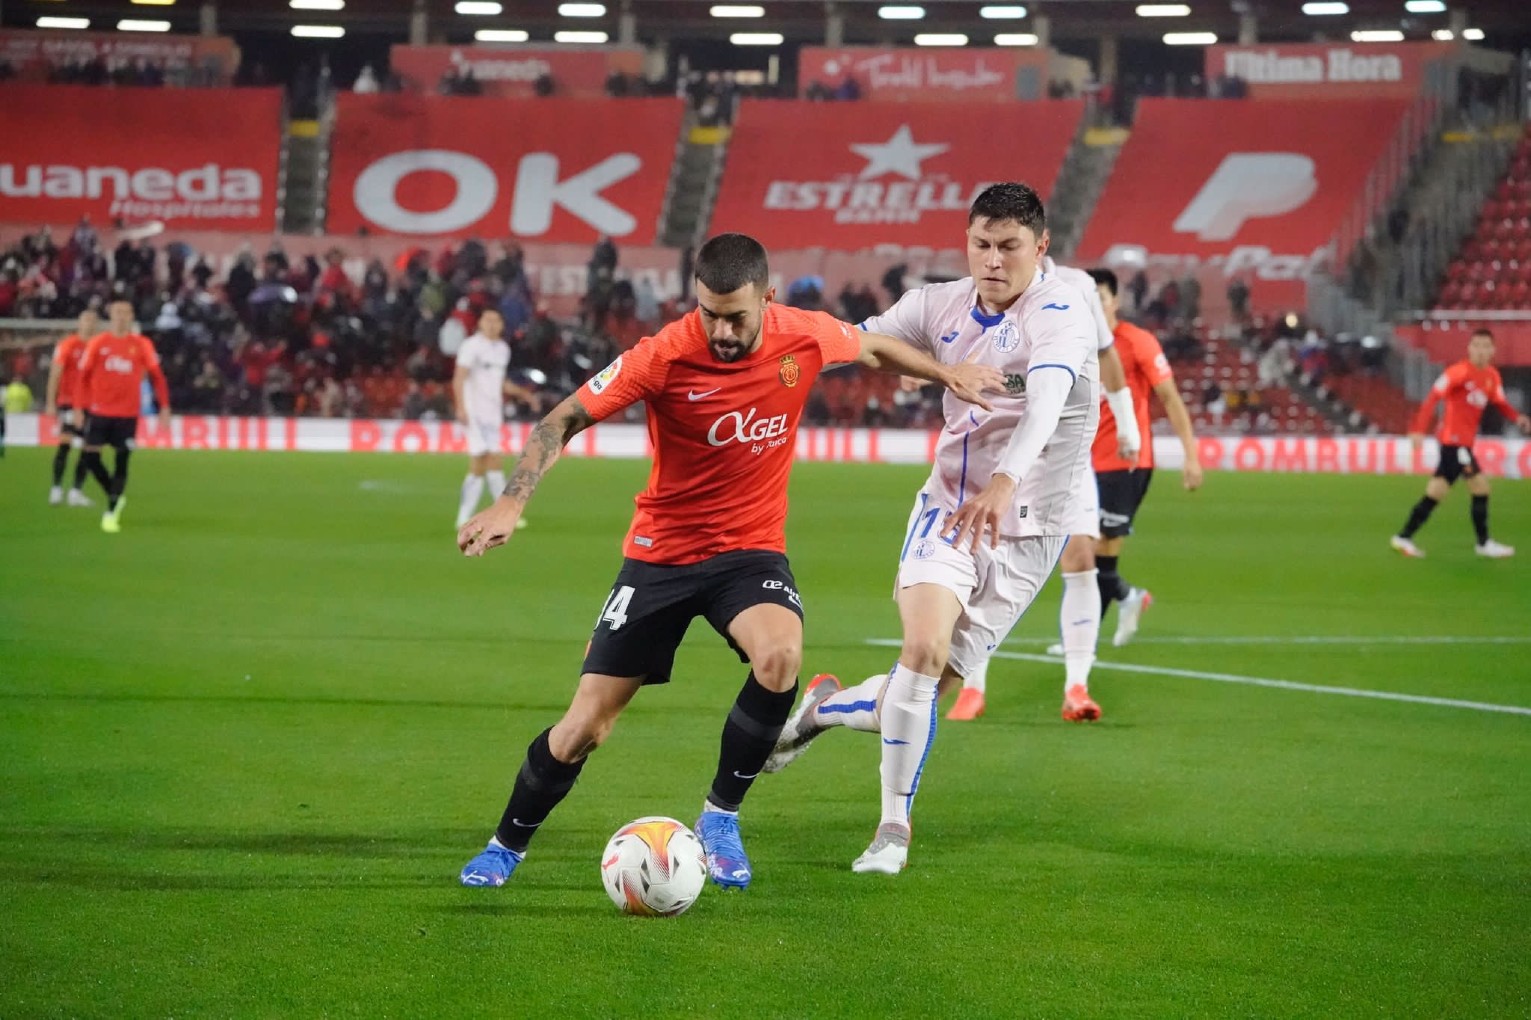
(1255, 681)
(1312, 639)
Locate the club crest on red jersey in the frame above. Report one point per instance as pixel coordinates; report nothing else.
(790, 370)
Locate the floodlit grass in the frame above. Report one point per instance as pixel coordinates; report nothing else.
(248, 743)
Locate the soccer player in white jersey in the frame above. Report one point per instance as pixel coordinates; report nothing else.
(1079, 614)
(1003, 495)
(479, 388)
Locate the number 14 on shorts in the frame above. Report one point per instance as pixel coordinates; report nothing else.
(615, 612)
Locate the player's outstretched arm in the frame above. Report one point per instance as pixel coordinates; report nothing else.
(492, 526)
(1180, 421)
(968, 381)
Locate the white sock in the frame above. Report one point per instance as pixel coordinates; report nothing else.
(472, 489)
(855, 707)
(908, 730)
(979, 679)
(496, 480)
(1079, 621)
(709, 806)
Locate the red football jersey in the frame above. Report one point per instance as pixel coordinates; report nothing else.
(1144, 364)
(68, 354)
(724, 434)
(111, 371)
(1466, 391)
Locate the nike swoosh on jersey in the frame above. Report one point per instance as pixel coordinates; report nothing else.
(693, 395)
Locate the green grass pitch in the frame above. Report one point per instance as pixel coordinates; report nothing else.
(248, 743)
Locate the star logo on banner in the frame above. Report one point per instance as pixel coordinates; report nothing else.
(900, 155)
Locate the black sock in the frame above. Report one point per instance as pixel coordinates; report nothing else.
(79, 472)
(749, 736)
(119, 475)
(60, 460)
(92, 461)
(542, 782)
(1480, 518)
(1418, 516)
(1112, 587)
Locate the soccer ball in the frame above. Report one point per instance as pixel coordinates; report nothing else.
(654, 867)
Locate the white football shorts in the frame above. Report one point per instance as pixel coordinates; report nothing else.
(483, 437)
(995, 587)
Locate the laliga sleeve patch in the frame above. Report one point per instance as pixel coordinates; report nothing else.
(603, 378)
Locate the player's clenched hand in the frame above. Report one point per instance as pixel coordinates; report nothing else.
(1191, 474)
(1524, 421)
(1126, 449)
(983, 512)
(1416, 440)
(489, 527)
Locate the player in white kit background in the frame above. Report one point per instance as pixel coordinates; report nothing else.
(1006, 490)
(479, 388)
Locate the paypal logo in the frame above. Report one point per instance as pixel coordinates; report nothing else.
(1056, 307)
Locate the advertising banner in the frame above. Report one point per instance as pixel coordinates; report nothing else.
(192, 158)
(538, 169)
(1362, 455)
(515, 70)
(1249, 188)
(33, 55)
(1329, 70)
(920, 74)
(847, 176)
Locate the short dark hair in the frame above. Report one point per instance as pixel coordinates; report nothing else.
(1106, 278)
(1483, 331)
(1010, 201)
(491, 310)
(730, 261)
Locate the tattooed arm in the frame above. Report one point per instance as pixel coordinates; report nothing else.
(494, 525)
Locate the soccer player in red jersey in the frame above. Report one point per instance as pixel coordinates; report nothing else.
(725, 388)
(112, 370)
(65, 400)
(1467, 388)
(1123, 485)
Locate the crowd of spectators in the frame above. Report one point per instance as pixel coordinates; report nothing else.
(280, 334)
(268, 333)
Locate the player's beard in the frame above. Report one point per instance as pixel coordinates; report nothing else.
(734, 348)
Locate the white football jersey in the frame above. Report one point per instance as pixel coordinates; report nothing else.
(1050, 325)
(484, 389)
(1083, 281)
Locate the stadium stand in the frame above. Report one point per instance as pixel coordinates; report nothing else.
(1493, 269)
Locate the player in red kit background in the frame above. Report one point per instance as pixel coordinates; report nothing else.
(1468, 387)
(67, 402)
(724, 388)
(111, 374)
